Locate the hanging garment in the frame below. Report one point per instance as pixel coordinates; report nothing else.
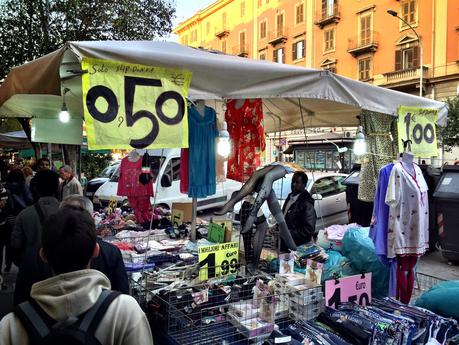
(141, 206)
(128, 182)
(184, 172)
(378, 129)
(202, 131)
(408, 228)
(245, 126)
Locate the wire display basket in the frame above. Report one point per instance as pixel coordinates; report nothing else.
(422, 283)
(241, 311)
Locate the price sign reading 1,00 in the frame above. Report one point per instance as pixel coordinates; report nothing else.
(112, 111)
(419, 133)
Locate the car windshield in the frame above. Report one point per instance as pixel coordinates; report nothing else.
(155, 165)
(108, 171)
(283, 187)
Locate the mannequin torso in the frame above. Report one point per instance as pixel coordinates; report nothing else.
(407, 162)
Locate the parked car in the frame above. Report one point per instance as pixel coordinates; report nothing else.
(165, 165)
(327, 191)
(94, 184)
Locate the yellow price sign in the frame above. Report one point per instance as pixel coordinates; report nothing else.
(218, 260)
(129, 105)
(418, 125)
(177, 217)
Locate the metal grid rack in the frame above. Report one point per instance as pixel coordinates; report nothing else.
(422, 283)
(237, 312)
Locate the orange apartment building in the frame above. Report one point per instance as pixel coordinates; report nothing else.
(354, 38)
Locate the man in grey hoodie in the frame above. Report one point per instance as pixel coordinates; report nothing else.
(68, 245)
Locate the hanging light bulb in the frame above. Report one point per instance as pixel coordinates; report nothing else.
(360, 145)
(223, 142)
(64, 115)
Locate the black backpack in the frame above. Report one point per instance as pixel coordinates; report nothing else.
(42, 329)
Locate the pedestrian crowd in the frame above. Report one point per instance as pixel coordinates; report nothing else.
(71, 286)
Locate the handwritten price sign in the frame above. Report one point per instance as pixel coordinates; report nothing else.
(218, 260)
(355, 289)
(127, 105)
(418, 125)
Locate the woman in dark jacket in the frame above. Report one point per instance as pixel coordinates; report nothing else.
(20, 193)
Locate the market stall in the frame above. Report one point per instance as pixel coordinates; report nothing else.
(201, 290)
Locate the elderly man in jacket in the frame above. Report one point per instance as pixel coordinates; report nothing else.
(299, 211)
(70, 184)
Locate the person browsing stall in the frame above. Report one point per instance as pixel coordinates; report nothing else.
(70, 184)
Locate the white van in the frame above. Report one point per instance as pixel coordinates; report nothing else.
(166, 166)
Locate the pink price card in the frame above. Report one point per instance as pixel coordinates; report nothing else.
(355, 289)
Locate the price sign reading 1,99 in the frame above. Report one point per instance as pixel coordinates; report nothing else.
(218, 260)
(418, 125)
(127, 105)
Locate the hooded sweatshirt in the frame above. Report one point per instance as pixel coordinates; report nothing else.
(70, 294)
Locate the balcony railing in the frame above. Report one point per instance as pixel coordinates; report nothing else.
(221, 31)
(329, 15)
(363, 44)
(405, 75)
(278, 36)
(241, 50)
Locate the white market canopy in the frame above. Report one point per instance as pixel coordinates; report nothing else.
(34, 89)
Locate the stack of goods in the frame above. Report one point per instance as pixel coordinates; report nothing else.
(384, 322)
(332, 237)
(306, 252)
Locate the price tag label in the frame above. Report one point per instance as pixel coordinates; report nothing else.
(355, 289)
(218, 260)
(418, 125)
(128, 105)
(177, 217)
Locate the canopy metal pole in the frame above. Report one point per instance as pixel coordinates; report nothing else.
(194, 210)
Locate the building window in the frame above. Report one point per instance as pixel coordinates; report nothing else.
(279, 55)
(329, 8)
(263, 28)
(329, 39)
(243, 9)
(280, 24)
(224, 20)
(329, 65)
(298, 50)
(259, 3)
(409, 11)
(262, 56)
(194, 35)
(365, 29)
(299, 13)
(208, 28)
(407, 58)
(364, 69)
(224, 46)
(185, 40)
(242, 42)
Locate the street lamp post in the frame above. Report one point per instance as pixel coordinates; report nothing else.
(421, 70)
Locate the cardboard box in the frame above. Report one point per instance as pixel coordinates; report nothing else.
(184, 214)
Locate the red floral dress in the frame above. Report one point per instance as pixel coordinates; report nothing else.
(245, 126)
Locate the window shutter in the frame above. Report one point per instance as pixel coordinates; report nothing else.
(304, 48)
(398, 60)
(416, 57)
(324, 8)
(294, 51)
(275, 56)
(283, 55)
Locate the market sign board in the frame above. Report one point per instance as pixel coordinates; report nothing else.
(134, 106)
(218, 260)
(418, 125)
(355, 289)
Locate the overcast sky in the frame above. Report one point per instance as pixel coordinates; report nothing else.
(185, 9)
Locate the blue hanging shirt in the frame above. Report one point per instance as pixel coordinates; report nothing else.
(202, 131)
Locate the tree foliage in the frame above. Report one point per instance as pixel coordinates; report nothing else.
(32, 28)
(449, 134)
(92, 164)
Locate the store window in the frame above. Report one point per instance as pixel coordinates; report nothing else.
(365, 29)
(365, 69)
(409, 11)
(329, 40)
(298, 50)
(243, 9)
(299, 13)
(263, 28)
(224, 46)
(407, 58)
(279, 55)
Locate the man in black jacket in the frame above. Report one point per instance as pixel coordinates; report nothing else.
(299, 211)
(109, 261)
